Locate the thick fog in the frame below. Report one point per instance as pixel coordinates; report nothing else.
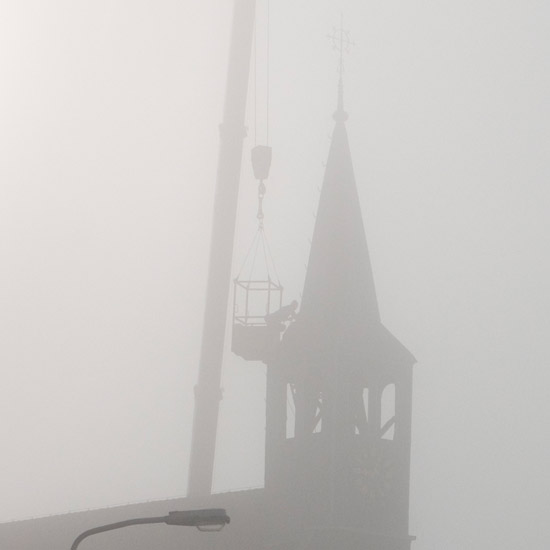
(108, 151)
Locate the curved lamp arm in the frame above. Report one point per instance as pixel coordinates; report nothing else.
(205, 520)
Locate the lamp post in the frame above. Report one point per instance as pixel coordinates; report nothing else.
(212, 519)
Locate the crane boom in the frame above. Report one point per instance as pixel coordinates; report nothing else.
(232, 133)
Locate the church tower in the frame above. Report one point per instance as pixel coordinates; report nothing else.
(339, 389)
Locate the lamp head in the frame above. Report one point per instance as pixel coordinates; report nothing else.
(210, 519)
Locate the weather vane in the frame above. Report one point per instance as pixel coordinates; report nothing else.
(341, 42)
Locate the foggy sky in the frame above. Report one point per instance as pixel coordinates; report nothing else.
(108, 150)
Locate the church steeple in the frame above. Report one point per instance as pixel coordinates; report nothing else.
(339, 386)
(339, 282)
(339, 286)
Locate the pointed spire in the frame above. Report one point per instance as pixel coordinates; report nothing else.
(339, 285)
(339, 315)
(339, 282)
(339, 311)
(341, 43)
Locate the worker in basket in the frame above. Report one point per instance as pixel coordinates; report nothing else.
(278, 319)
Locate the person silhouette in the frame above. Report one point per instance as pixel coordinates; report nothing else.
(278, 318)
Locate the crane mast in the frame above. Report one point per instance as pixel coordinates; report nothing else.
(232, 134)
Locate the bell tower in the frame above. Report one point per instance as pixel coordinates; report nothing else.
(339, 388)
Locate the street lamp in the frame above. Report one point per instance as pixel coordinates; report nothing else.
(212, 519)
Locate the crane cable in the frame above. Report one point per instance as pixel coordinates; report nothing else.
(256, 75)
(267, 75)
(261, 185)
(261, 188)
(261, 237)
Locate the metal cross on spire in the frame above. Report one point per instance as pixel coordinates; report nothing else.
(341, 42)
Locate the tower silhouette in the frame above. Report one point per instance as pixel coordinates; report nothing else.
(339, 388)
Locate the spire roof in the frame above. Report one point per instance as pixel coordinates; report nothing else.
(339, 311)
(339, 282)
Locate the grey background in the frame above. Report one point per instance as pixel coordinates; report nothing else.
(108, 145)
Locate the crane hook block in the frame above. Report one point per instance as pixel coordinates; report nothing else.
(261, 161)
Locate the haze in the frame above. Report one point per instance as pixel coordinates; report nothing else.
(108, 150)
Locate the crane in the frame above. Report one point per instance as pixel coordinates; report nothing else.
(232, 134)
